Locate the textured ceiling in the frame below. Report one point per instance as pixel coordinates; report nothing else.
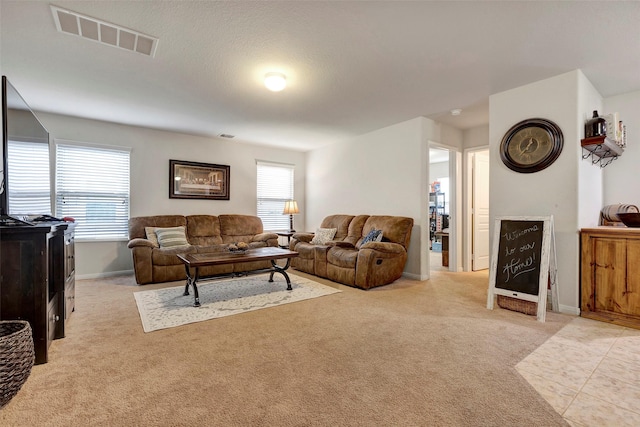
(352, 67)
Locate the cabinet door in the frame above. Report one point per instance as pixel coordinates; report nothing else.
(610, 274)
(633, 277)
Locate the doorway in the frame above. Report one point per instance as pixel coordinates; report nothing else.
(476, 246)
(439, 208)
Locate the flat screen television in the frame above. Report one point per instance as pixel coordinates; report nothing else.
(19, 123)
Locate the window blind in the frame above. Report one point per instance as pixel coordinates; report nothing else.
(275, 186)
(29, 180)
(92, 186)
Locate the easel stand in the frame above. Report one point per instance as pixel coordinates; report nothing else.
(523, 262)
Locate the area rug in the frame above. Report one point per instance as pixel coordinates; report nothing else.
(167, 308)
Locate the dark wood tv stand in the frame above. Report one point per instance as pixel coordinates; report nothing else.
(37, 279)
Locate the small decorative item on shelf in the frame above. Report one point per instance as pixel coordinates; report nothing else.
(238, 248)
(622, 128)
(605, 138)
(596, 126)
(615, 129)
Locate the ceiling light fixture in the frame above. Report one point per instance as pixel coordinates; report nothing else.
(456, 112)
(275, 82)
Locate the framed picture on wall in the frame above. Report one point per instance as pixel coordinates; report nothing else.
(194, 180)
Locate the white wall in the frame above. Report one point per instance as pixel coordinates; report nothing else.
(151, 151)
(438, 170)
(384, 172)
(378, 173)
(476, 137)
(621, 176)
(552, 191)
(589, 175)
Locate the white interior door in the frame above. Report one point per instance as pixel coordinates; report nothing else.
(480, 215)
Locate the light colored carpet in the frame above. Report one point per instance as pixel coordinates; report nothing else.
(169, 307)
(408, 354)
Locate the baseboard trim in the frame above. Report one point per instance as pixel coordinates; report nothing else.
(104, 275)
(568, 309)
(412, 276)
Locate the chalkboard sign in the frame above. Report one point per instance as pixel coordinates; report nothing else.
(519, 256)
(522, 259)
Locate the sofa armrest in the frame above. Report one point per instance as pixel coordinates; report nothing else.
(341, 244)
(303, 237)
(379, 263)
(386, 247)
(142, 252)
(264, 237)
(139, 242)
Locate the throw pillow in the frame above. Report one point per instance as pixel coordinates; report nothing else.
(323, 236)
(151, 235)
(372, 236)
(173, 236)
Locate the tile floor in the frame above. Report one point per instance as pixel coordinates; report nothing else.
(590, 373)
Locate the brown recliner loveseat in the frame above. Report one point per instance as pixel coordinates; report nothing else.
(350, 257)
(154, 263)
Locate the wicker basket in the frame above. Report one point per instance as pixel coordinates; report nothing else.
(515, 304)
(16, 357)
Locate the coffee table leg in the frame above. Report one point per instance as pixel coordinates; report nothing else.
(281, 270)
(191, 280)
(186, 286)
(195, 289)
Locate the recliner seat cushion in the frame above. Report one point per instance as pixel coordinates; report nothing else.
(342, 257)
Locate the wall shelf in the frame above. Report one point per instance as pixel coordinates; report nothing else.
(601, 150)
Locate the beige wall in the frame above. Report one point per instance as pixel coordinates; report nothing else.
(621, 177)
(553, 191)
(387, 172)
(150, 154)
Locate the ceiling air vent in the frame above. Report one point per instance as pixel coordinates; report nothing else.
(103, 32)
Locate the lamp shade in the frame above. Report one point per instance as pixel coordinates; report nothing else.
(290, 207)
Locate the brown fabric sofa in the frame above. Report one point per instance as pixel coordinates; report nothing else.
(204, 233)
(346, 259)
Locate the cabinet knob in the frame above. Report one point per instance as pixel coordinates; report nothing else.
(56, 318)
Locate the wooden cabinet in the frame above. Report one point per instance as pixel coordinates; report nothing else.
(69, 272)
(34, 278)
(610, 275)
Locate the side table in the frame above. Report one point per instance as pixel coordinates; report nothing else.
(288, 235)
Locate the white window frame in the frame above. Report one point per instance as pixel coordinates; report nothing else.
(92, 181)
(271, 195)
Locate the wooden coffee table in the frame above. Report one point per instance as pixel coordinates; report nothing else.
(270, 253)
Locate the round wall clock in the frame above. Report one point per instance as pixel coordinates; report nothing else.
(531, 145)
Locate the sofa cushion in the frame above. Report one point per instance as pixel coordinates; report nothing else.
(239, 228)
(355, 229)
(373, 236)
(203, 230)
(137, 225)
(167, 256)
(340, 223)
(152, 236)
(395, 229)
(323, 236)
(342, 257)
(173, 236)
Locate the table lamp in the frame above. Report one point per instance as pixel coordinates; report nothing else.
(290, 208)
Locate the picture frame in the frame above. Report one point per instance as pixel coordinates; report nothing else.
(195, 180)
